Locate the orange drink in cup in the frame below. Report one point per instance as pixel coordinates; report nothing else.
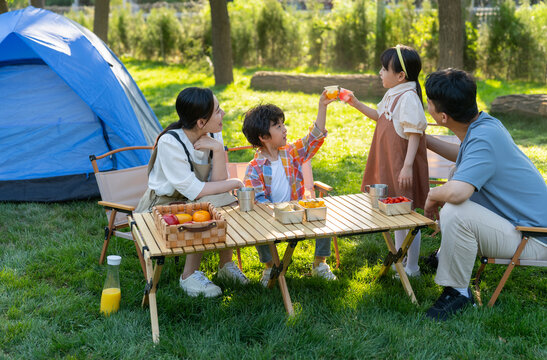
(332, 91)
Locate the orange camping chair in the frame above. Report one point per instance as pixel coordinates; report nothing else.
(313, 188)
(120, 192)
(511, 263)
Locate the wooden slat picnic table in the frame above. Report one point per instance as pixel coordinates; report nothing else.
(346, 215)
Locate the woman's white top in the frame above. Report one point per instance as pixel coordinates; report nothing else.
(281, 189)
(408, 115)
(172, 169)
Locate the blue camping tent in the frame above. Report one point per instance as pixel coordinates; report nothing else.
(63, 96)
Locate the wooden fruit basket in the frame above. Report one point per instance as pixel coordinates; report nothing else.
(188, 234)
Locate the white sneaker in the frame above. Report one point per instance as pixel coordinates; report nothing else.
(232, 273)
(414, 274)
(265, 277)
(323, 271)
(198, 284)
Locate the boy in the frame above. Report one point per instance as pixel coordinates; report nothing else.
(276, 170)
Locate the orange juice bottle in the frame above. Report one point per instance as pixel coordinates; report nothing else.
(110, 298)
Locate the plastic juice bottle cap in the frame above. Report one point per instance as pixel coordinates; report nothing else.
(113, 259)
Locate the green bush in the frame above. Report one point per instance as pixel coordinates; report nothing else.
(243, 23)
(512, 44)
(534, 19)
(418, 29)
(510, 47)
(317, 28)
(470, 51)
(118, 30)
(83, 17)
(195, 43)
(399, 23)
(278, 37)
(162, 35)
(350, 36)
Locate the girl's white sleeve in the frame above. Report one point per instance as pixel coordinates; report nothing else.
(411, 114)
(176, 167)
(380, 107)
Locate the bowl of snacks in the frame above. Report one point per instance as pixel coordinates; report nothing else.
(395, 205)
(314, 209)
(287, 213)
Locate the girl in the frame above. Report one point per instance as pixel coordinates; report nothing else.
(188, 164)
(397, 155)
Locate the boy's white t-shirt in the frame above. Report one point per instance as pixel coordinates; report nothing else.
(281, 189)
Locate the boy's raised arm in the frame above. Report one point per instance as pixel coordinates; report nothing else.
(322, 110)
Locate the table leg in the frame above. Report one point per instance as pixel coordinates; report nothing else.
(153, 277)
(397, 257)
(287, 257)
(141, 259)
(281, 276)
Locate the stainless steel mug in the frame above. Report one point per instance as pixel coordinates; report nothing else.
(246, 198)
(376, 191)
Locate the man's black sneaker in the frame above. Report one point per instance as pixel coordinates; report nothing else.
(429, 263)
(450, 302)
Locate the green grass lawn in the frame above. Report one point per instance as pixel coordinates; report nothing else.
(50, 282)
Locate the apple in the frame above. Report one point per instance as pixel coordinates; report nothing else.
(170, 219)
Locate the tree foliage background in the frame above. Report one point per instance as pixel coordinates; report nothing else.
(509, 43)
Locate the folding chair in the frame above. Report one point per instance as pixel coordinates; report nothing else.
(120, 192)
(312, 188)
(514, 261)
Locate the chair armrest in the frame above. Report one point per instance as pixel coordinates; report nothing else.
(322, 187)
(115, 206)
(528, 229)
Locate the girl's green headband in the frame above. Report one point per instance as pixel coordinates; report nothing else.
(398, 47)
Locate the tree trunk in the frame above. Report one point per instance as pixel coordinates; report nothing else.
(380, 44)
(451, 34)
(38, 3)
(222, 43)
(100, 22)
(3, 6)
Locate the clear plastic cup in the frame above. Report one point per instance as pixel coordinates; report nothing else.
(345, 94)
(332, 91)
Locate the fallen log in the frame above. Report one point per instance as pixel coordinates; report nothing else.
(532, 104)
(363, 86)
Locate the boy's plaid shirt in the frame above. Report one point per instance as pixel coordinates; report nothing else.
(259, 170)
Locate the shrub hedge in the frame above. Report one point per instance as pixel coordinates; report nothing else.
(510, 44)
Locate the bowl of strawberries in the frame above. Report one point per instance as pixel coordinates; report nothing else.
(398, 205)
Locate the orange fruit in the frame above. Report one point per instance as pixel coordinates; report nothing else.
(201, 215)
(183, 218)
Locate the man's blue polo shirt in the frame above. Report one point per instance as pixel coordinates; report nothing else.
(505, 180)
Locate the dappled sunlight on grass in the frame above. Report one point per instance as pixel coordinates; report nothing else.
(50, 281)
(538, 157)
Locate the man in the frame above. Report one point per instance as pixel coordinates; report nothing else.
(494, 188)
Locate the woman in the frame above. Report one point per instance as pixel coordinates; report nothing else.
(188, 165)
